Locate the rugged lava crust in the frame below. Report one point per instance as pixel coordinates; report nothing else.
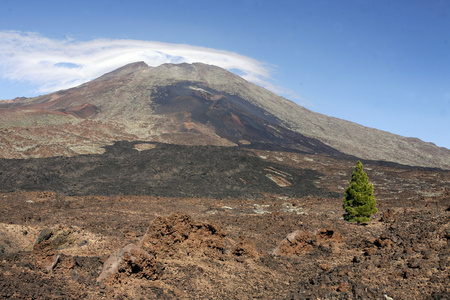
(166, 170)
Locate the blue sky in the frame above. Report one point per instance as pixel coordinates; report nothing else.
(382, 64)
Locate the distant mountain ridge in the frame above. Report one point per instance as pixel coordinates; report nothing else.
(191, 104)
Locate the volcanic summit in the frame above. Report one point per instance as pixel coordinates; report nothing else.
(190, 104)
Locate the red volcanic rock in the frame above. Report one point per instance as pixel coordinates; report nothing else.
(301, 242)
(129, 262)
(179, 234)
(45, 255)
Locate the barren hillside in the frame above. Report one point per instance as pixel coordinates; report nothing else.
(190, 104)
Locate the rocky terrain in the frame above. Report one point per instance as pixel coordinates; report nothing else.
(187, 182)
(267, 224)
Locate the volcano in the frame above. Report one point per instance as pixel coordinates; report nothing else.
(190, 104)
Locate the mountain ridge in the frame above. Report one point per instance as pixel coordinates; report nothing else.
(124, 102)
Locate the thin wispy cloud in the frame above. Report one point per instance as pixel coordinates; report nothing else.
(59, 64)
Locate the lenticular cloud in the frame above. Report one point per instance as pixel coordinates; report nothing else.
(58, 64)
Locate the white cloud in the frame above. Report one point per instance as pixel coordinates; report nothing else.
(59, 64)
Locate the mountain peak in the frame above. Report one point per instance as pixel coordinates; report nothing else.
(125, 70)
(139, 65)
(201, 104)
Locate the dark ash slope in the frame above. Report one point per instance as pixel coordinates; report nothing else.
(166, 170)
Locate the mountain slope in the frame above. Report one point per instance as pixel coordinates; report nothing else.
(190, 104)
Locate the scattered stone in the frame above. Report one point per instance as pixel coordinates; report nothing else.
(329, 235)
(45, 255)
(130, 261)
(301, 242)
(245, 248)
(383, 242)
(413, 263)
(290, 208)
(259, 209)
(295, 243)
(146, 146)
(74, 275)
(45, 234)
(82, 243)
(49, 268)
(357, 259)
(344, 287)
(61, 239)
(369, 251)
(325, 267)
(388, 216)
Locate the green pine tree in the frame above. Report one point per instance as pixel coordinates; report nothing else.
(359, 201)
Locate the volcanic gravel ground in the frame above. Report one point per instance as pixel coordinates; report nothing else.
(268, 244)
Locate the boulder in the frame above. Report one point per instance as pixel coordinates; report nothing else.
(130, 261)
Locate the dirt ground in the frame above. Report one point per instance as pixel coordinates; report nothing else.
(282, 238)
